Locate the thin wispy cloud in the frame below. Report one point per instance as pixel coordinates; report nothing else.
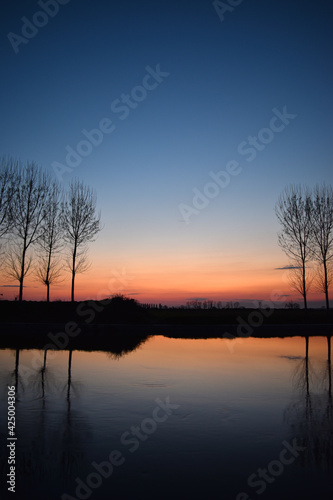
(287, 267)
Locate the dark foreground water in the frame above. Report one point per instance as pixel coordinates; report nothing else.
(172, 419)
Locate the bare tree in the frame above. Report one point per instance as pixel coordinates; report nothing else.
(297, 281)
(28, 212)
(50, 243)
(322, 234)
(324, 280)
(293, 211)
(49, 273)
(80, 225)
(13, 263)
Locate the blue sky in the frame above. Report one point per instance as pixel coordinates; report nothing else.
(224, 80)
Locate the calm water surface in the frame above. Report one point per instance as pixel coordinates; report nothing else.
(178, 419)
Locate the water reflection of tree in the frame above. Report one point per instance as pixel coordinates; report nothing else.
(56, 438)
(29, 379)
(44, 382)
(58, 435)
(73, 431)
(15, 378)
(311, 416)
(125, 344)
(329, 367)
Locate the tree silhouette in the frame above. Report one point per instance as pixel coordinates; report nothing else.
(28, 211)
(297, 282)
(80, 225)
(51, 241)
(322, 235)
(293, 211)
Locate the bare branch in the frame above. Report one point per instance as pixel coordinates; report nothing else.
(296, 280)
(8, 186)
(13, 264)
(293, 211)
(28, 211)
(322, 234)
(50, 242)
(80, 226)
(321, 281)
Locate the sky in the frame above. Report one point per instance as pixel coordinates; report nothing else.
(188, 119)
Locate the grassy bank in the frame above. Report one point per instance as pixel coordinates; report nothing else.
(235, 316)
(128, 311)
(97, 325)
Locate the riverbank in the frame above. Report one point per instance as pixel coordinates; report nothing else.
(101, 325)
(120, 310)
(108, 337)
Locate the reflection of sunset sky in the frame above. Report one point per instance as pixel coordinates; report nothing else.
(231, 405)
(225, 78)
(239, 365)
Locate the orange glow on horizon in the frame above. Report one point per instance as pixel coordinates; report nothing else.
(172, 279)
(170, 289)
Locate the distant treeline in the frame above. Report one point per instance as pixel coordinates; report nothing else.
(215, 305)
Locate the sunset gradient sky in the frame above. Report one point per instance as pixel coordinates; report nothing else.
(180, 91)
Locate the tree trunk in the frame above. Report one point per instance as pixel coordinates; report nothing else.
(326, 284)
(48, 278)
(73, 272)
(72, 290)
(21, 290)
(22, 273)
(304, 288)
